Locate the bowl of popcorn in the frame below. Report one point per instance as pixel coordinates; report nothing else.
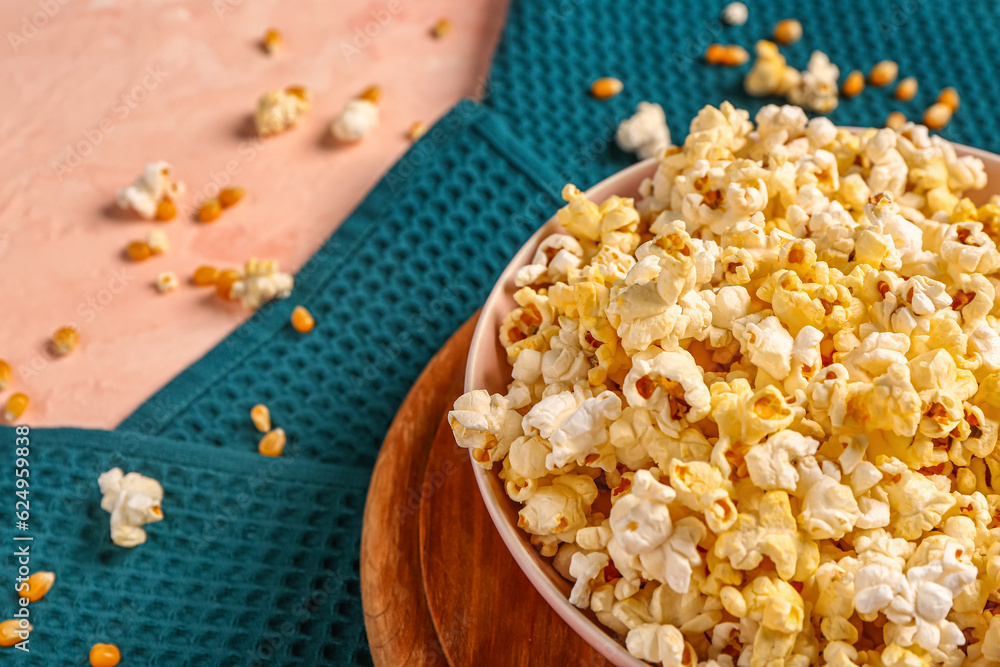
(739, 404)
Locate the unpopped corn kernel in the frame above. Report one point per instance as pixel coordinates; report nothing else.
(949, 98)
(210, 210)
(853, 84)
(139, 251)
(16, 405)
(14, 631)
(37, 586)
(937, 116)
(883, 73)
(788, 31)
(5, 374)
(166, 210)
(105, 655)
(302, 320)
(261, 417)
(273, 443)
(606, 88)
(231, 196)
(731, 55)
(906, 89)
(224, 283)
(372, 94)
(441, 29)
(895, 120)
(273, 41)
(65, 340)
(417, 130)
(205, 275)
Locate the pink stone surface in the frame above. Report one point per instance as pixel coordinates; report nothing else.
(97, 88)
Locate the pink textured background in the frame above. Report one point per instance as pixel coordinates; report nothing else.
(97, 88)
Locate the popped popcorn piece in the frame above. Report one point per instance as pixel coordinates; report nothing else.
(771, 464)
(133, 500)
(279, 110)
(153, 186)
(735, 13)
(157, 241)
(817, 88)
(358, 118)
(646, 133)
(662, 644)
(574, 422)
(770, 74)
(260, 282)
(167, 282)
(585, 568)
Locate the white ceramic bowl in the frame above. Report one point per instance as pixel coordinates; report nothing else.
(488, 369)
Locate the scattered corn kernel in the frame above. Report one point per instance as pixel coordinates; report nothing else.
(16, 405)
(39, 584)
(949, 98)
(157, 241)
(210, 210)
(417, 130)
(883, 73)
(732, 55)
(5, 374)
(105, 655)
(441, 29)
(302, 320)
(224, 283)
(166, 210)
(788, 31)
(65, 340)
(205, 275)
(231, 196)
(853, 84)
(895, 120)
(372, 93)
(714, 54)
(298, 91)
(937, 116)
(606, 87)
(273, 41)
(139, 251)
(273, 443)
(14, 631)
(167, 282)
(906, 89)
(261, 417)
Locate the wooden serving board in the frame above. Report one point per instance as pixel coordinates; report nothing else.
(438, 584)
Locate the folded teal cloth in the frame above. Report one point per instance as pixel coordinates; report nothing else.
(257, 559)
(550, 52)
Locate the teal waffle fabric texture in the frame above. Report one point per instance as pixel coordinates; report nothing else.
(257, 560)
(550, 53)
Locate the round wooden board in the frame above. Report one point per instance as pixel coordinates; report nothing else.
(437, 583)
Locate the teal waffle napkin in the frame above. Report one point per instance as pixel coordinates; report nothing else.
(257, 560)
(550, 53)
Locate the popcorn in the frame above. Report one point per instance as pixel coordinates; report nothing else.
(279, 110)
(167, 282)
(133, 500)
(780, 370)
(153, 186)
(358, 118)
(646, 133)
(260, 282)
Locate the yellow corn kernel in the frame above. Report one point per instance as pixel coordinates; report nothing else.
(372, 93)
(734, 56)
(883, 73)
(417, 130)
(224, 283)
(205, 275)
(273, 41)
(895, 120)
(166, 210)
(937, 116)
(5, 374)
(299, 91)
(441, 29)
(788, 31)
(139, 251)
(273, 443)
(302, 320)
(210, 210)
(715, 54)
(105, 655)
(11, 631)
(906, 89)
(949, 98)
(65, 340)
(853, 84)
(39, 584)
(606, 87)
(261, 417)
(16, 405)
(231, 196)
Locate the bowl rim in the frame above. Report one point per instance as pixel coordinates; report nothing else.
(598, 636)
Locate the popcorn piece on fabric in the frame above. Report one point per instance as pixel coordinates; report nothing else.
(155, 184)
(817, 86)
(133, 500)
(646, 133)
